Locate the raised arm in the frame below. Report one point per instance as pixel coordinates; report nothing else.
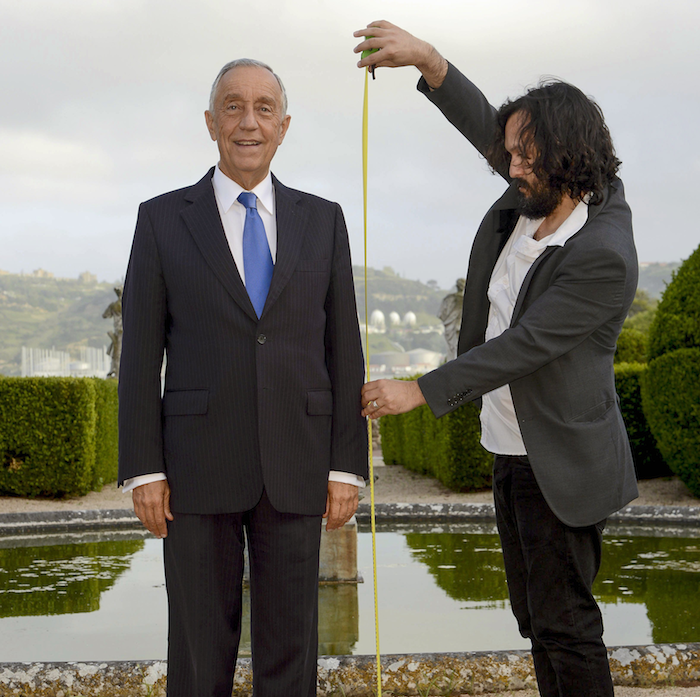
(462, 103)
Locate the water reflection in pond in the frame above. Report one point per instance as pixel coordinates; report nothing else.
(62, 579)
(647, 586)
(439, 591)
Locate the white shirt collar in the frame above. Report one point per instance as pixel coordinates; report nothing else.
(565, 231)
(227, 191)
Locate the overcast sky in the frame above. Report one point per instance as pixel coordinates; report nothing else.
(102, 107)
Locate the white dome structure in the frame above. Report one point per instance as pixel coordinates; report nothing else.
(376, 319)
(394, 319)
(409, 319)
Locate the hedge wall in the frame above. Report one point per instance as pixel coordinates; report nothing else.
(671, 399)
(106, 433)
(57, 435)
(447, 448)
(676, 323)
(648, 461)
(671, 386)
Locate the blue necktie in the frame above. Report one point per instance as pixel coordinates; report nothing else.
(257, 260)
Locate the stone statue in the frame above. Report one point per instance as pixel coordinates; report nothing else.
(450, 313)
(114, 310)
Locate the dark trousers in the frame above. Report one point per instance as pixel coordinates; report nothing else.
(204, 573)
(550, 568)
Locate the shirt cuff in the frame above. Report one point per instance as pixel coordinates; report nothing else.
(346, 478)
(131, 484)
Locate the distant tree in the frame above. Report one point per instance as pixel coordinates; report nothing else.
(642, 312)
(643, 302)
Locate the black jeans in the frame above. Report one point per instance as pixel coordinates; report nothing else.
(550, 568)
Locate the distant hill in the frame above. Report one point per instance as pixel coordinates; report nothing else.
(47, 312)
(654, 277)
(40, 311)
(389, 292)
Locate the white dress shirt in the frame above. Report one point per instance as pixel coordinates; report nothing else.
(232, 213)
(500, 431)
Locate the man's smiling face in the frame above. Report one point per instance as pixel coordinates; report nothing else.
(248, 123)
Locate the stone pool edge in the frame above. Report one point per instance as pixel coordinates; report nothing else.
(656, 665)
(348, 676)
(38, 522)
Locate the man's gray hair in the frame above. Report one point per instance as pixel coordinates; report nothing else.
(246, 63)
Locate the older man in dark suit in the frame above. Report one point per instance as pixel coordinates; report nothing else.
(247, 288)
(552, 274)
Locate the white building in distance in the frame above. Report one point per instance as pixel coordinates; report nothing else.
(92, 363)
(376, 320)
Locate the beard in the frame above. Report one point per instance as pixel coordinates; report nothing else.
(538, 201)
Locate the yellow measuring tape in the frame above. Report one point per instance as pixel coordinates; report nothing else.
(365, 119)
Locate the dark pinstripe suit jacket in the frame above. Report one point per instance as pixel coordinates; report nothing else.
(248, 402)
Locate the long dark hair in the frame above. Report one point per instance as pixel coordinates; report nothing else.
(566, 137)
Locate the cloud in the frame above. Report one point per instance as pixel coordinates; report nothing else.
(36, 166)
(102, 108)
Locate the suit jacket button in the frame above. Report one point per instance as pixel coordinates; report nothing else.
(262, 339)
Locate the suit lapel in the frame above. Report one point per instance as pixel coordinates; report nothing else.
(503, 218)
(204, 223)
(291, 228)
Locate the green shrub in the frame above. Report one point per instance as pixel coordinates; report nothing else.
(631, 346)
(671, 400)
(57, 435)
(447, 448)
(416, 436)
(642, 321)
(106, 433)
(462, 464)
(676, 324)
(47, 440)
(648, 461)
(391, 436)
(671, 386)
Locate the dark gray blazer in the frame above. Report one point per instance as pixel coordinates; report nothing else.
(248, 402)
(557, 355)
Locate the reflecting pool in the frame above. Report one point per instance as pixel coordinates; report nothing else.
(102, 596)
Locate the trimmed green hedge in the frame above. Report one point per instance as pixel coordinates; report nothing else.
(671, 399)
(447, 448)
(676, 324)
(671, 386)
(648, 461)
(631, 346)
(106, 433)
(57, 435)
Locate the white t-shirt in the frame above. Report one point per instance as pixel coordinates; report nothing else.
(500, 431)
